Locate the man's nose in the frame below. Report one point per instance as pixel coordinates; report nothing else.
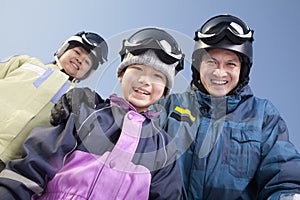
(220, 71)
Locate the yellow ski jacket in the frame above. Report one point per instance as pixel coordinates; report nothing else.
(28, 91)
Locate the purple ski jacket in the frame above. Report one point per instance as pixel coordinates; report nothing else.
(110, 152)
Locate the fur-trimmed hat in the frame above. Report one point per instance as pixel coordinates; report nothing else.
(150, 59)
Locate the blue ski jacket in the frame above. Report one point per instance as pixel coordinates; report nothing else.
(233, 147)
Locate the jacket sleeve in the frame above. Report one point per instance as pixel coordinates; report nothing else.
(279, 173)
(43, 155)
(8, 65)
(166, 182)
(71, 101)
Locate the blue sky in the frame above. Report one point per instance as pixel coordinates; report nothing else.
(37, 28)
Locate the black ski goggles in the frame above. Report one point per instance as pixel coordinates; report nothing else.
(165, 47)
(219, 27)
(95, 44)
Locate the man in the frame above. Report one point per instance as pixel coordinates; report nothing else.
(232, 145)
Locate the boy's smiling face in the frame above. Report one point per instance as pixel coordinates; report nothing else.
(142, 86)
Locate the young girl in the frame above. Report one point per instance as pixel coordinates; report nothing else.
(29, 88)
(112, 151)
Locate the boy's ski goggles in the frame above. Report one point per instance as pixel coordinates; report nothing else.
(165, 47)
(219, 27)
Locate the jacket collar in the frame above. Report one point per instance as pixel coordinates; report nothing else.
(219, 106)
(123, 104)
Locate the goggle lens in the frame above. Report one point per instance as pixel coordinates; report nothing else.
(96, 44)
(92, 39)
(154, 38)
(165, 47)
(217, 28)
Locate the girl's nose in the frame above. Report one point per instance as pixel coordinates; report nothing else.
(79, 60)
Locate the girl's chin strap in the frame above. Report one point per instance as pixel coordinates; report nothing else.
(62, 69)
(58, 62)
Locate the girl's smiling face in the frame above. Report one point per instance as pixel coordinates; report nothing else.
(76, 62)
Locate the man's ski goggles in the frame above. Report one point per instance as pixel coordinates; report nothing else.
(219, 27)
(165, 47)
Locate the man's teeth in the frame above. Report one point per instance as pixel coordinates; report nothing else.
(219, 82)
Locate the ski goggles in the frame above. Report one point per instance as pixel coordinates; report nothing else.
(165, 47)
(219, 27)
(94, 44)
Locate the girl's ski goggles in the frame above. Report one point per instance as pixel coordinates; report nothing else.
(94, 43)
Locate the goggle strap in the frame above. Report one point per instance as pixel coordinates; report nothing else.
(152, 44)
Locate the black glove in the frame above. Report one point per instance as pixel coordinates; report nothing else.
(70, 102)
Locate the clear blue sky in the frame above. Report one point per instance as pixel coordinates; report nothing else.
(37, 28)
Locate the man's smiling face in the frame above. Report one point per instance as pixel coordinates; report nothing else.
(220, 71)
